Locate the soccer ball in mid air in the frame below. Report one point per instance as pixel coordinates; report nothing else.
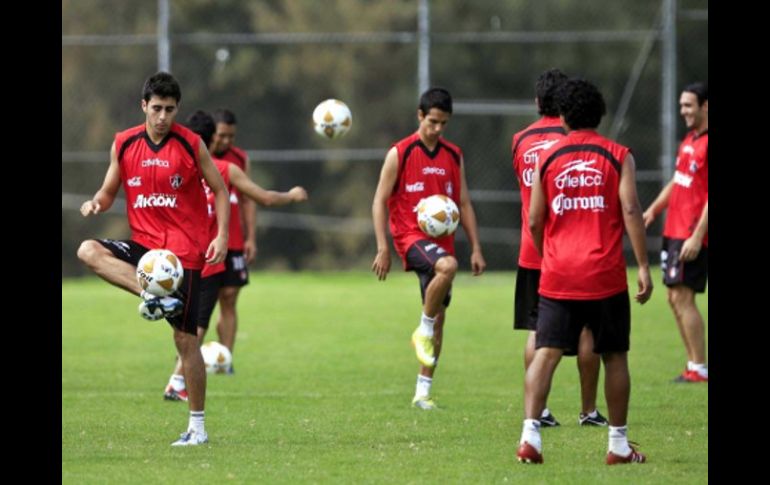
(332, 118)
(437, 215)
(159, 272)
(217, 357)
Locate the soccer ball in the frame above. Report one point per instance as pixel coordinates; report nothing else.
(437, 215)
(217, 357)
(159, 272)
(332, 118)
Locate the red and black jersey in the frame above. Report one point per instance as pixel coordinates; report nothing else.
(526, 147)
(235, 242)
(211, 202)
(422, 173)
(165, 201)
(691, 188)
(583, 239)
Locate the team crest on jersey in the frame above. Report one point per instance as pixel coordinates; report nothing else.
(693, 166)
(449, 188)
(176, 181)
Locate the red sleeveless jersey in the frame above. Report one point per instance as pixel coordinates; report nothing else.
(165, 201)
(422, 173)
(526, 147)
(583, 240)
(235, 242)
(211, 199)
(691, 188)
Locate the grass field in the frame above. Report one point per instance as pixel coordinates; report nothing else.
(324, 380)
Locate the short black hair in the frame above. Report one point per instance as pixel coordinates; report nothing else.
(581, 104)
(436, 98)
(545, 86)
(699, 89)
(162, 85)
(224, 115)
(203, 124)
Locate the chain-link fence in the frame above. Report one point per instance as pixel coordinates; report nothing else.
(271, 62)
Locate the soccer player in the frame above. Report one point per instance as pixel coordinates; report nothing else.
(242, 245)
(583, 194)
(684, 255)
(214, 275)
(415, 167)
(527, 145)
(160, 165)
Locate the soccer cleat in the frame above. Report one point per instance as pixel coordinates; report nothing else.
(423, 347)
(424, 402)
(528, 454)
(588, 420)
(160, 307)
(633, 457)
(690, 376)
(170, 394)
(548, 420)
(191, 438)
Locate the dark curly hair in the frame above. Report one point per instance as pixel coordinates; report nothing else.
(699, 89)
(162, 85)
(545, 87)
(203, 124)
(438, 98)
(581, 104)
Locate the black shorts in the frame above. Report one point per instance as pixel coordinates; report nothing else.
(421, 257)
(560, 322)
(210, 286)
(526, 299)
(692, 274)
(189, 292)
(236, 272)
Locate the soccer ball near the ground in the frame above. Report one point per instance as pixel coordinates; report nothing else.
(438, 215)
(332, 118)
(159, 272)
(217, 357)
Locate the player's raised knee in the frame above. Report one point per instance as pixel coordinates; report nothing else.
(88, 251)
(446, 266)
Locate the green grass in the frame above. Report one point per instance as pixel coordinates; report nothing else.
(325, 376)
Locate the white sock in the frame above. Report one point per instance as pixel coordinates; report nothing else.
(530, 433)
(619, 440)
(423, 386)
(426, 326)
(593, 414)
(690, 365)
(701, 369)
(545, 412)
(196, 422)
(177, 382)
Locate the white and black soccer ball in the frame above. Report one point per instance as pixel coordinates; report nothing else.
(216, 357)
(159, 272)
(437, 215)
(332, 119)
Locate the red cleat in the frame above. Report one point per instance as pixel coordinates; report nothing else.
(633, 457)
(528, 454)
(690, 376)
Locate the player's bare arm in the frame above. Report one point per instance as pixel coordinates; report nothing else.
(249, 211)
(692, 245)
(537, 210)
(632, 219)
(254, 192)
(660, 203)
(388, 175)
(217, 250)
(468, 221)
(105, 196)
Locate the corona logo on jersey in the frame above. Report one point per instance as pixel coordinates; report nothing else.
(561, 203)
(155, 200)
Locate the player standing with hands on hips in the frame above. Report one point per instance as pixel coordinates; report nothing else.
(416, 167)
